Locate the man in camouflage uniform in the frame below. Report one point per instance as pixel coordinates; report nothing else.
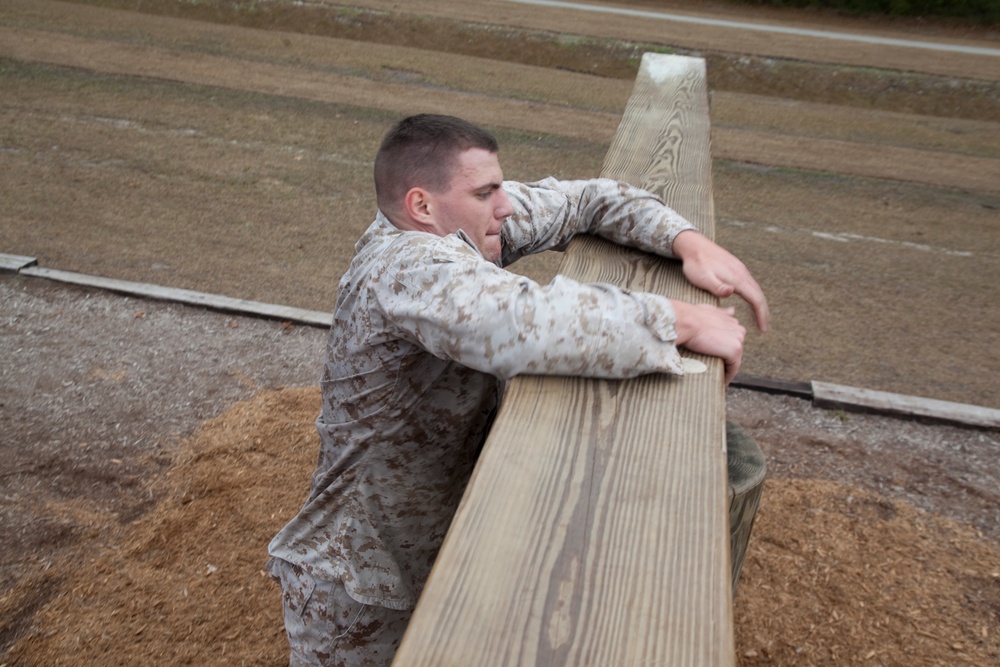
(426, 329)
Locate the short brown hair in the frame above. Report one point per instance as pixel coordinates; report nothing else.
(422, 151)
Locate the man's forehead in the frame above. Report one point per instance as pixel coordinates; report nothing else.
(478, 167)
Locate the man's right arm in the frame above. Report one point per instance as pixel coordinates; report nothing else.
(450, 302)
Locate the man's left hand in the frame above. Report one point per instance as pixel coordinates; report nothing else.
(714, 269)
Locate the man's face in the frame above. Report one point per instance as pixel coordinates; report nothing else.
(474, 202)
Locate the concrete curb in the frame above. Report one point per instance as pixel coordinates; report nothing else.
(822, 394)
(188, 297)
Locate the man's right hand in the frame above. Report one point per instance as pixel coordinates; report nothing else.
(711, 330)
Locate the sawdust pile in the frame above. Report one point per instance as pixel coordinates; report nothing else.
(835, 575)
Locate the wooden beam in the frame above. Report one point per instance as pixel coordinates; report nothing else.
(595, 528)
(188, 297)
(836, 396)
(14, 263)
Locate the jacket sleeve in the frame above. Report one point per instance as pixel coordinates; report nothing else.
(549, 213)
(461, 308)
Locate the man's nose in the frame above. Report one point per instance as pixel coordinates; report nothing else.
(504, 207)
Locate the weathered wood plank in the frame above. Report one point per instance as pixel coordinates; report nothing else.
(834, 396)
(663, 141)
(594, 531)
(188, 297)
(14, 263)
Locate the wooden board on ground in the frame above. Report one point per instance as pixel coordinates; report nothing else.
(14, 263)
(836, 396)
(594, 531)
(189, 297)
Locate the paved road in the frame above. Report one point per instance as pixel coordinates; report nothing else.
(703, 37)
(772, 28)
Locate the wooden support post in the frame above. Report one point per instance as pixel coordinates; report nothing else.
(595, 528)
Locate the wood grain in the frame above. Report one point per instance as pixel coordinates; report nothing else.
(595, 528)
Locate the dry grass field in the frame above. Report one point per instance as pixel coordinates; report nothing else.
(226, 147)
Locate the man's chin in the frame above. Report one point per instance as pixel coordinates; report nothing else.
(491, 249)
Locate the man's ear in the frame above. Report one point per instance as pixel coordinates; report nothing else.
(419, 208)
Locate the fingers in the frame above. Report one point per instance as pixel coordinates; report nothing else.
(727, 342)
(714, 269)
(733, 362)
(713, 331)
(751, 292)
(762, 316)
(724, 291)
(742, 285)
(732, 369)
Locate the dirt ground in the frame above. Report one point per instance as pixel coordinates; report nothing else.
(136, 522)
(151, 450)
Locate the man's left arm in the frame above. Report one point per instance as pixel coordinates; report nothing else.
(549, 213)
(714, 269)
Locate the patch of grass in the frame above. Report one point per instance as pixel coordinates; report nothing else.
(811, 82)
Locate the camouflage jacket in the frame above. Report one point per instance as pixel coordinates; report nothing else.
(424, 333)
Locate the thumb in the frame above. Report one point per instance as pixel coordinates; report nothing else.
(724, 290)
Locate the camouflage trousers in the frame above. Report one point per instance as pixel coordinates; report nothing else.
(326, 627)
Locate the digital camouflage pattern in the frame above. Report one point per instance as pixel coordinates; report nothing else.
(424, 333)
(327, 628)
